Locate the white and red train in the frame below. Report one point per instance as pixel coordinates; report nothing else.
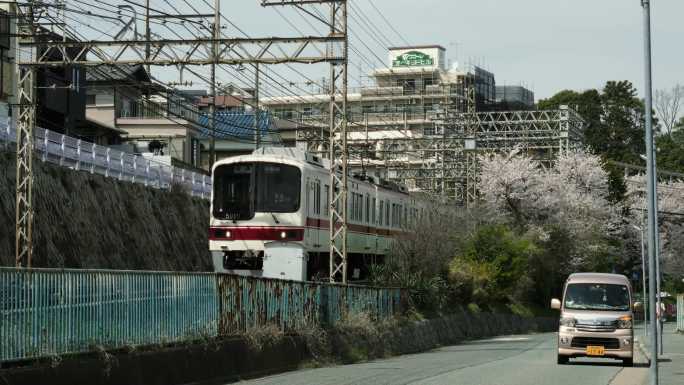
(269, 216)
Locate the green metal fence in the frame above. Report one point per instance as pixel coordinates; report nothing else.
(47, 312)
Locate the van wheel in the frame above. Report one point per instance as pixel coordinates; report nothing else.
(628, 362)
(563, 360)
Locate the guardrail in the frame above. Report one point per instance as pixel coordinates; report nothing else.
(680, 313)
(46, 312)
(80, 155)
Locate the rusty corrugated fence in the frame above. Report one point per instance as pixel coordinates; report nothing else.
(48, 312)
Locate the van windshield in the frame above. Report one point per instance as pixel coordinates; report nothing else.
(594, 296)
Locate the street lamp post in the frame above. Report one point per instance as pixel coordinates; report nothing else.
(651, 198)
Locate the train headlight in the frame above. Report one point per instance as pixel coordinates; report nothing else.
(283, 235)
(228, 234)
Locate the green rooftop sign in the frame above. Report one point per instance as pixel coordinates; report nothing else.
(413, 59)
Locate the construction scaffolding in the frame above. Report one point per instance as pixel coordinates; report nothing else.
(443, 160)
(424, 124)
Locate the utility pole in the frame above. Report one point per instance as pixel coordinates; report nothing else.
(216, 32)
(257, 133)
(338, 151)
(147, 37)
(651, 197)
(26, 122)
(338, 147)
(472, 127)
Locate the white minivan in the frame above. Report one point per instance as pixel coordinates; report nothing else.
(596, 318)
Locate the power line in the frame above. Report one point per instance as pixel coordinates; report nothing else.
(388, 23)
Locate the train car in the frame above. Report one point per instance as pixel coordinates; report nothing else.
(270, 216)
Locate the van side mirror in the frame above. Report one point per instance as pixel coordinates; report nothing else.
(638, 306)
(555, 304)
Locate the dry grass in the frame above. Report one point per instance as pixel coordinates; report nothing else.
(264, 336)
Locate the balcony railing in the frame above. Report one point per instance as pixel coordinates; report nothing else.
(171, 109)
(80, 155)
(375, 117)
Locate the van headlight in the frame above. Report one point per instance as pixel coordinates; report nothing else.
(568, 321)
(624, 322)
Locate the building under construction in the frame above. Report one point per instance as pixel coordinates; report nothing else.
(423, 124)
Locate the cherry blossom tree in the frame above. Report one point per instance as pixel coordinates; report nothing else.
(670, 219)
(568, 198)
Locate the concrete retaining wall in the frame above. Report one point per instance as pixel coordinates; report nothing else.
(89, 221)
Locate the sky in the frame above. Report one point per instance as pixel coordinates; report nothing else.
(548, 45)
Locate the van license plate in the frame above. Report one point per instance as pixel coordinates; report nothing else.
(595, 351)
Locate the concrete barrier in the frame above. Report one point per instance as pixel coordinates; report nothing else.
(233, 359)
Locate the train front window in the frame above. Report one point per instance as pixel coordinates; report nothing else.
(241, 189)
(233, 190)
(278, 188)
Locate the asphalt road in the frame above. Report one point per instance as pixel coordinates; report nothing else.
(511, 360)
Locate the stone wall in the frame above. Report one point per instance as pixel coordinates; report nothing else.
(89, 221)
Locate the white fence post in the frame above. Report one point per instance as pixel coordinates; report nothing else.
(45, 144)
(680, 313)
(122, 158)
(63, 149)
(135, 167)
(147, 173)
(94, 158)
(78, 154)
(108, 162)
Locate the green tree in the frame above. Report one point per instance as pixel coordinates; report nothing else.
(493, 264)
(671, 150)
(622, 136)
(614, 119)
(614, 127)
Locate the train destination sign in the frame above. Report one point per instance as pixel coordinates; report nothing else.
(413, 59)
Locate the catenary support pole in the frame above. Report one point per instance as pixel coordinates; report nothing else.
(653, 372)
(257, 133)
(26, 122)
(216, 29)
(148, 35)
